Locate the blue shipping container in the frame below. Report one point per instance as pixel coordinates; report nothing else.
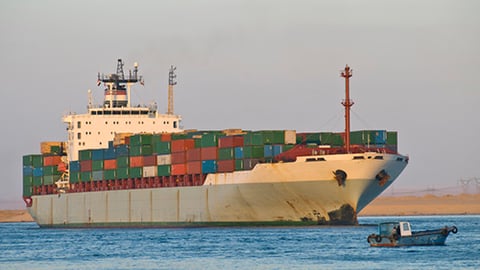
(209, 166)
(97, 154)
(27, 170)
(277, 150)
(268, 150)
(38, 172)
(109, 153)
(380, 137)
(239, 152)
(74, 166)
(122, 150)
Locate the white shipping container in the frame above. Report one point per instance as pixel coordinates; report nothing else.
(290, 137)
(150, 171)
(164, 159)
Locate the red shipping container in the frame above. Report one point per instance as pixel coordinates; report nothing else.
(230, 141)
(136, 161)
(150, 161)
(179, 158)
(62, 167)
(182, 145)
(109, 164)
(51, 160)
(166, 137)
(209, 153)
(225, 165)
(194, 167)
(194, 154)
(179, 169)
(86, 166)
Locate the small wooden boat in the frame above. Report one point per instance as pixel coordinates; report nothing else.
(396, 234)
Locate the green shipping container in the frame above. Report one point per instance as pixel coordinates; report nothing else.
(253, 138)
(136, 172)
(239, 165)
(28, 160)
(226, 153)
(27, 191)
(28, 180)
(97, 165)
(37, 161)
(164, 170)
(50, 170)
(50, 179)
(162, 148)
(141, 139)
(123, 173)
(123, 162)
(74, 177)
(86, 177)
(392, 138)
(209, 139)
(85, 155)
(141, 150)
(254, 151)
(37, 181)
(273, 136)
(110, 174)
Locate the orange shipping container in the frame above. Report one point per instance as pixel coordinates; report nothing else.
(166, 137)
(179, 169)
(110, 164)
(51, 160)
(136, 161)
(179, 158)
(194, 167)
(194, 154)
(226, 165)
(150, 161)
(209, 153)
(182, 145)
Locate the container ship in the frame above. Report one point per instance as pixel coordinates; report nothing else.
(131, 166)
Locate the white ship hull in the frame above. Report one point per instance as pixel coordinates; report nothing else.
(298, 192)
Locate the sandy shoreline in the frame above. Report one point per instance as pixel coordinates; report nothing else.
(465, 204)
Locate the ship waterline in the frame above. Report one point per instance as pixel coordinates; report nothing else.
(230, 198)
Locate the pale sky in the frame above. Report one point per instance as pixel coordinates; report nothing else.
(252, 65)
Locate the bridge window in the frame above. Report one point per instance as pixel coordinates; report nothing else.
(378, 157)
(174, 124)
(79, 135)
(79, 124)
(358, 157)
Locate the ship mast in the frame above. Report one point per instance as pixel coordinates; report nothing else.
(347, 73)
(171, 83)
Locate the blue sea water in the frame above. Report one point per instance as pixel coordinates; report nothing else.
(26, 246)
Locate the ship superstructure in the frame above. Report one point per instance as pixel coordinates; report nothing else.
(126, 166)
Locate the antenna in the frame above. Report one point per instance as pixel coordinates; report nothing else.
(347, 102)
(90, 99)
(171, 83)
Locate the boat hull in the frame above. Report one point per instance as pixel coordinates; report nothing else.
(423, 238)
(297, 193)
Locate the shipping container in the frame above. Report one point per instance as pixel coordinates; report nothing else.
(239, 152)
(49, 148)
(268, 150)
(277, 149)
(179, 169)
(253, 138)
(50, 179)
(121, 139)
(209, 139)
(162, 148)
(194, 154)
(226, 165)
(50, 170)
(74, 177)
(164, 159)
(110, 174)
(254, 151)
(122, 151)
(28, 180)
(182, 145)
(123, 162)
(28, 160)
(249, 164)
(238, 165)
(209, 166)
(85, 154)
(163, 170)
(110, 164)
(209, 153)
(392, 138)
(178, 158)
(123, 172)
(225, 153)
(74, 166)
(109, 153)
(141, 150)
(51, 160)
(150, 161)
(166, 137)
(37, 181)
(97, 165)
(290, 137)
(141, 139)
(27, 191)
(136, 161)
(136, 172)
(38, 171)
(97, 154)
(150, 171)
(37, 161)
(86, 166)
(28, 170)
(97, 175)
(194, 167)
(230, 141)
(86, 176)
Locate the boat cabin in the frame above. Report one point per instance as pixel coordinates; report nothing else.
(399, 228)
